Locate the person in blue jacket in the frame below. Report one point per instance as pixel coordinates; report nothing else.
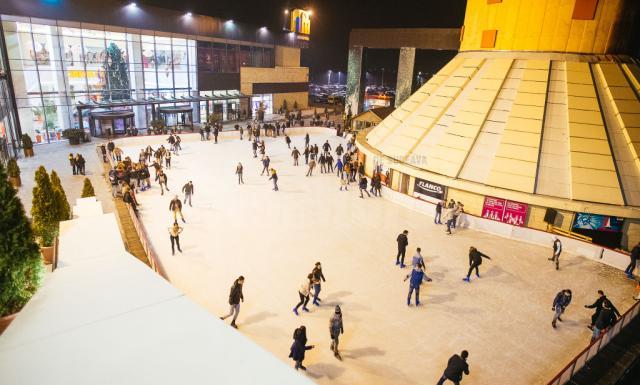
(299, 347)
(417, 275)
(560, 303)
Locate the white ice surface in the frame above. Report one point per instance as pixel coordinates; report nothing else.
(274, 239)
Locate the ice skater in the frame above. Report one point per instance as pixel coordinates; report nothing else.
(344, 183)
(598, 304)
(475, 260)
(417, 259)
(274, 178)
(456, 366)
(326, 146)
(175, 206)
(265, 165)
(557, 250)
(437, 218)
(167, 160)
(295, 154)
(402, 241)
(174, 236)
(560, 303)
(299, 347)
(633, 260)
(188, 191)
(362, 185)
(239, 169)
(287, 139)
(317, 278)
(335, 329)
(306, 139)
(254, 147)
(235, 297)
(162, 180)
(312, 165)
(304, 292)
(417, 276)
(606, 318)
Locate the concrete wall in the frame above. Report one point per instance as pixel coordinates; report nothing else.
(287, 56)
(302, 98)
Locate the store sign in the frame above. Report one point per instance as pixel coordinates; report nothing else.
(301, 21)
(505, 211)
(597, 222)
(425, 189)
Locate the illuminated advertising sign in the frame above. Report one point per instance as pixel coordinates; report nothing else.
(301, 21)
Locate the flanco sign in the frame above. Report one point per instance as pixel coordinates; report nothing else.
(423, 188)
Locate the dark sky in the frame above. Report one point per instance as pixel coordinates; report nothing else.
(331, 20)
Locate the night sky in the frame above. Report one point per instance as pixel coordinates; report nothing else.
(331, 21)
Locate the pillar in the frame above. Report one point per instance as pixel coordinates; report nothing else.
(405, 74)
(355, 80)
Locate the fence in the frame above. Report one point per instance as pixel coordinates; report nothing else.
(594, 347)
(154, 261)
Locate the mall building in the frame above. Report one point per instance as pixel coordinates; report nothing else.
(110, 65)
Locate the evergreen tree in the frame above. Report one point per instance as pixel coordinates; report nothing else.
(87, 189)
(64, 210)
(117, 71)
(20, 261)
(44, 211)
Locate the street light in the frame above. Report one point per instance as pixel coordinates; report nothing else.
(286, 11)
(329, 77)
(188, 14)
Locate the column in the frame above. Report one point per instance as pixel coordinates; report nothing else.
(405, 74)
(355, 80)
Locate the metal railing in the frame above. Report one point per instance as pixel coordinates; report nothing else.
(152, 256)
(594, 347)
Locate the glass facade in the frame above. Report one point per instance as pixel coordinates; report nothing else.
(8, 140)
(228, 58)
(56, 65)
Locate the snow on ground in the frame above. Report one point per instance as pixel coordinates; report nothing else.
(274, 239)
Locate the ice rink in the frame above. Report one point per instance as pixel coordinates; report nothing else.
(273, 239)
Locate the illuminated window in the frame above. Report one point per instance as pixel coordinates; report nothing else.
(584, 9)
(489, 38)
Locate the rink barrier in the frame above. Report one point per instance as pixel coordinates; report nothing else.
(594, 347)
(152, 256)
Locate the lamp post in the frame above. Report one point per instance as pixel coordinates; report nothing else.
(329, 77)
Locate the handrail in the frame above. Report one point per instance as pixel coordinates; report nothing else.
(152, 256)
(594, 347)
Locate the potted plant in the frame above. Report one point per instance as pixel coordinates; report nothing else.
(75, 135)
(27, 145)
(20, 263)
(13, 171)
(62, 204)
(157, 126)
(44, 213)
(87, 189)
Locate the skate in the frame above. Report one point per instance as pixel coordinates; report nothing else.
(305, 309)
(402, 265)
(466, 279)
(233, 324)
(316, 303)
(478, 275)
(183, 221)
(553, 323)
(397, 263)
(296, 311)
(337, 355)
(559, 319)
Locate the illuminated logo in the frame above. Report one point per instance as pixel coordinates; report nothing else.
(301, 21)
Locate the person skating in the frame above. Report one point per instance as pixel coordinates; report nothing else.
(306, 139)
(329, 160)
(437, 218)
(456, 366)
(336, 328)
(598, 304)
(174, 235)
(448, 219)
(606, 318)
(201, 133)
(312, 165)
(339, 150)
(344, 183)
(274, 178)
(318, 278)
(323, 163)
(175, 206)
(80, 163)
(239, 169)
(235, 297)
(207, 130)
(417, 276)
(188, 191)
(110, 147)
(254, 147)
(475, 260)
(162, 179)
(167, 160)
(306, 153)
(362, 185)
(241, 132)
(560, 303)
(118, 153)
(265, 165)
(295, 154)
(299, 347)
(216, 131)
(287, 139)
(557, 250)
(417, 259)
(402, 241)
(326, 146)
(633, 260)
(304, 292)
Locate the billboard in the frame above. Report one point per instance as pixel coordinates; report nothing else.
(427, 190)
(505, 211)
(586, 221)
(301, 21)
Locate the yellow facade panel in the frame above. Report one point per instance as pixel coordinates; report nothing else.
(428, 111)
(590, 146)
(583, 90)
(530, 99)
(538, 64)
(585, 116)
(441, 166)
(607, 178)
(483, 95)
(456, 81)
(595, 161)
(633, 73)
(577, 66)
(476, 106)
(489, 84)
(630, 120)
(582, 103)
(439, 101)
(458, 142)
(451, 92)
(472, 118)
(590, 131)
(529, 154)
(511, 181)
(514, 166)
(517, 124)
(473, 62)
(521, 138)
(600, 194)
(627, 106)
(536, 75)
(613, 75)
(533, 87)
(579, 77)
(626, 93)
(529, 112)
(465, 72)
(460, 129)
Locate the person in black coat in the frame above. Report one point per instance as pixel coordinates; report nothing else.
(633, 260)
(175, 206)
(598, 305)
(402, 241)
(606, 319)
(362, 185)
(438, 215)
(456, 366)
(216, 131)
(475, 260)
(299, 347)
(317, 278)
(235, 296)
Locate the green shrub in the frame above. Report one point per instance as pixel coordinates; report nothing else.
(63, 208)
(27, 143)
(20, 262)
(44, 211)
(87, 189)
(12, 168)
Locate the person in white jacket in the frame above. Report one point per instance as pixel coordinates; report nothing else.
(304, 292)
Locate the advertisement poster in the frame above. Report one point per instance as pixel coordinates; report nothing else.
(428, 190)
(597, 222)
(502, 210)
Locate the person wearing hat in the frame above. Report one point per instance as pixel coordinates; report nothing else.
(335, 329)
(557, 250)
(455, 367)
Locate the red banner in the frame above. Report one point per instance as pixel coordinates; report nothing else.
(502, 210)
